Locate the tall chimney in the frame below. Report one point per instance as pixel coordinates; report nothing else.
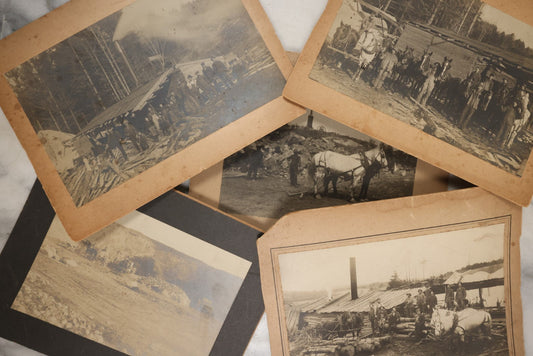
(353, 278)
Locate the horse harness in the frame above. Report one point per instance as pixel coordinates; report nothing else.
(365, 162)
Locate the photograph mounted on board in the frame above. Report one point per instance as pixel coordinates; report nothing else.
(312, 162)
(446, 293)
(133, 89)
(154, 84)
(172, 290)
(460, 72)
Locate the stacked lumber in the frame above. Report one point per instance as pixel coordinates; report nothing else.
(370, 344)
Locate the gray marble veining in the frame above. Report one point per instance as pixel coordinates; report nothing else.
(293, 21)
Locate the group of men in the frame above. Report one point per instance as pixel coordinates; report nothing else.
(382, 321)
(424, 302)
(502, 109)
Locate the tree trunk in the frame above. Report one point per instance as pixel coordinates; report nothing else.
(93, 87)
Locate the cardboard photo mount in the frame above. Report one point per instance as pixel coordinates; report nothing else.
(80, 222)
(388, 220)
(304, 91)
(206, 188)
(173, 209)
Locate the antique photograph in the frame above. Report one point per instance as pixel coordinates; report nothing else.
(142, 84)
(442, 295)
(138, 286)
(312, 162)
(461, 71)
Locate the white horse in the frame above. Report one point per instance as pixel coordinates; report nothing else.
(445, 321)
(328, 166)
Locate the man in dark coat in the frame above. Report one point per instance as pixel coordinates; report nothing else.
(460, 297)
(448, 297)
(294, 166)
(114, 141)
(394, 320)
(256, 161)
(421, 301)
(370, 171)
(431, 302)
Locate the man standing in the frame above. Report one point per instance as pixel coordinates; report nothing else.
(388, 62)
(370, 171)
(421, 301)
(408, 306)
(368, 43)
(372, 317)
(256, 161)
(431, 302)
(394, 320)
(448, 297)
(131, 134)
(428, 86)
(294, 166)
(471, 106)
(460, 296)
(510, 114)
(523, 117)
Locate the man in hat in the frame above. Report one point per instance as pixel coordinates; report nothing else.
(448, 297)
(460, 296)
(294, 166)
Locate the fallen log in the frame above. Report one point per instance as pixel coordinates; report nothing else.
(405, 320)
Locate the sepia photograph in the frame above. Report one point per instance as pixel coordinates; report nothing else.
(460, 71)
(312, 162)
(442, 295)
(142, 84)
(138, 286)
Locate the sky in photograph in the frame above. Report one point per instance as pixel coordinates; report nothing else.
(508, 24)
(166, 19)
(419, 257)
(322, 122)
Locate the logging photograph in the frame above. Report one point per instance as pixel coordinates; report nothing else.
(312, 162)
(436, 293)
(460, 71)
(141, 85)
(138, 286)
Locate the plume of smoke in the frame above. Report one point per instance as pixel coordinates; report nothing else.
(177, 20)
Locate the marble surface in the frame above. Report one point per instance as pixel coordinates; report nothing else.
(293, 21)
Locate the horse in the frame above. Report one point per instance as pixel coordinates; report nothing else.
(351, 323)
(345, 39)
(417, 72)
(329, 166)
(442, 76)
(445, 322)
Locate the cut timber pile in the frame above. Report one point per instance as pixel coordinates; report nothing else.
(405, 328)
(369, 344)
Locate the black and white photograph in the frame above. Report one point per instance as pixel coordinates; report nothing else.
(310, 163)
(142, 84)
(461, 71)
(138, 286)
(439, 293)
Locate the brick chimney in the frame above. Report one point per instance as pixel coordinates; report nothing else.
(353, 278)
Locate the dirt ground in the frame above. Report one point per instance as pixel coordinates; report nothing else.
(272, 196)
(497, 346)
(86, 299)
(474, 140)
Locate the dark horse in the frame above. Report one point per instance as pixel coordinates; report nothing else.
(344, 40)
(347, 323)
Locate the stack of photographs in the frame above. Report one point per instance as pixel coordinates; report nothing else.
(317, 181)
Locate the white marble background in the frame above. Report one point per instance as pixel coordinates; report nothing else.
(293, 21)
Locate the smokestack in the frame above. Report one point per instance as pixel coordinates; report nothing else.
(353, 278)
